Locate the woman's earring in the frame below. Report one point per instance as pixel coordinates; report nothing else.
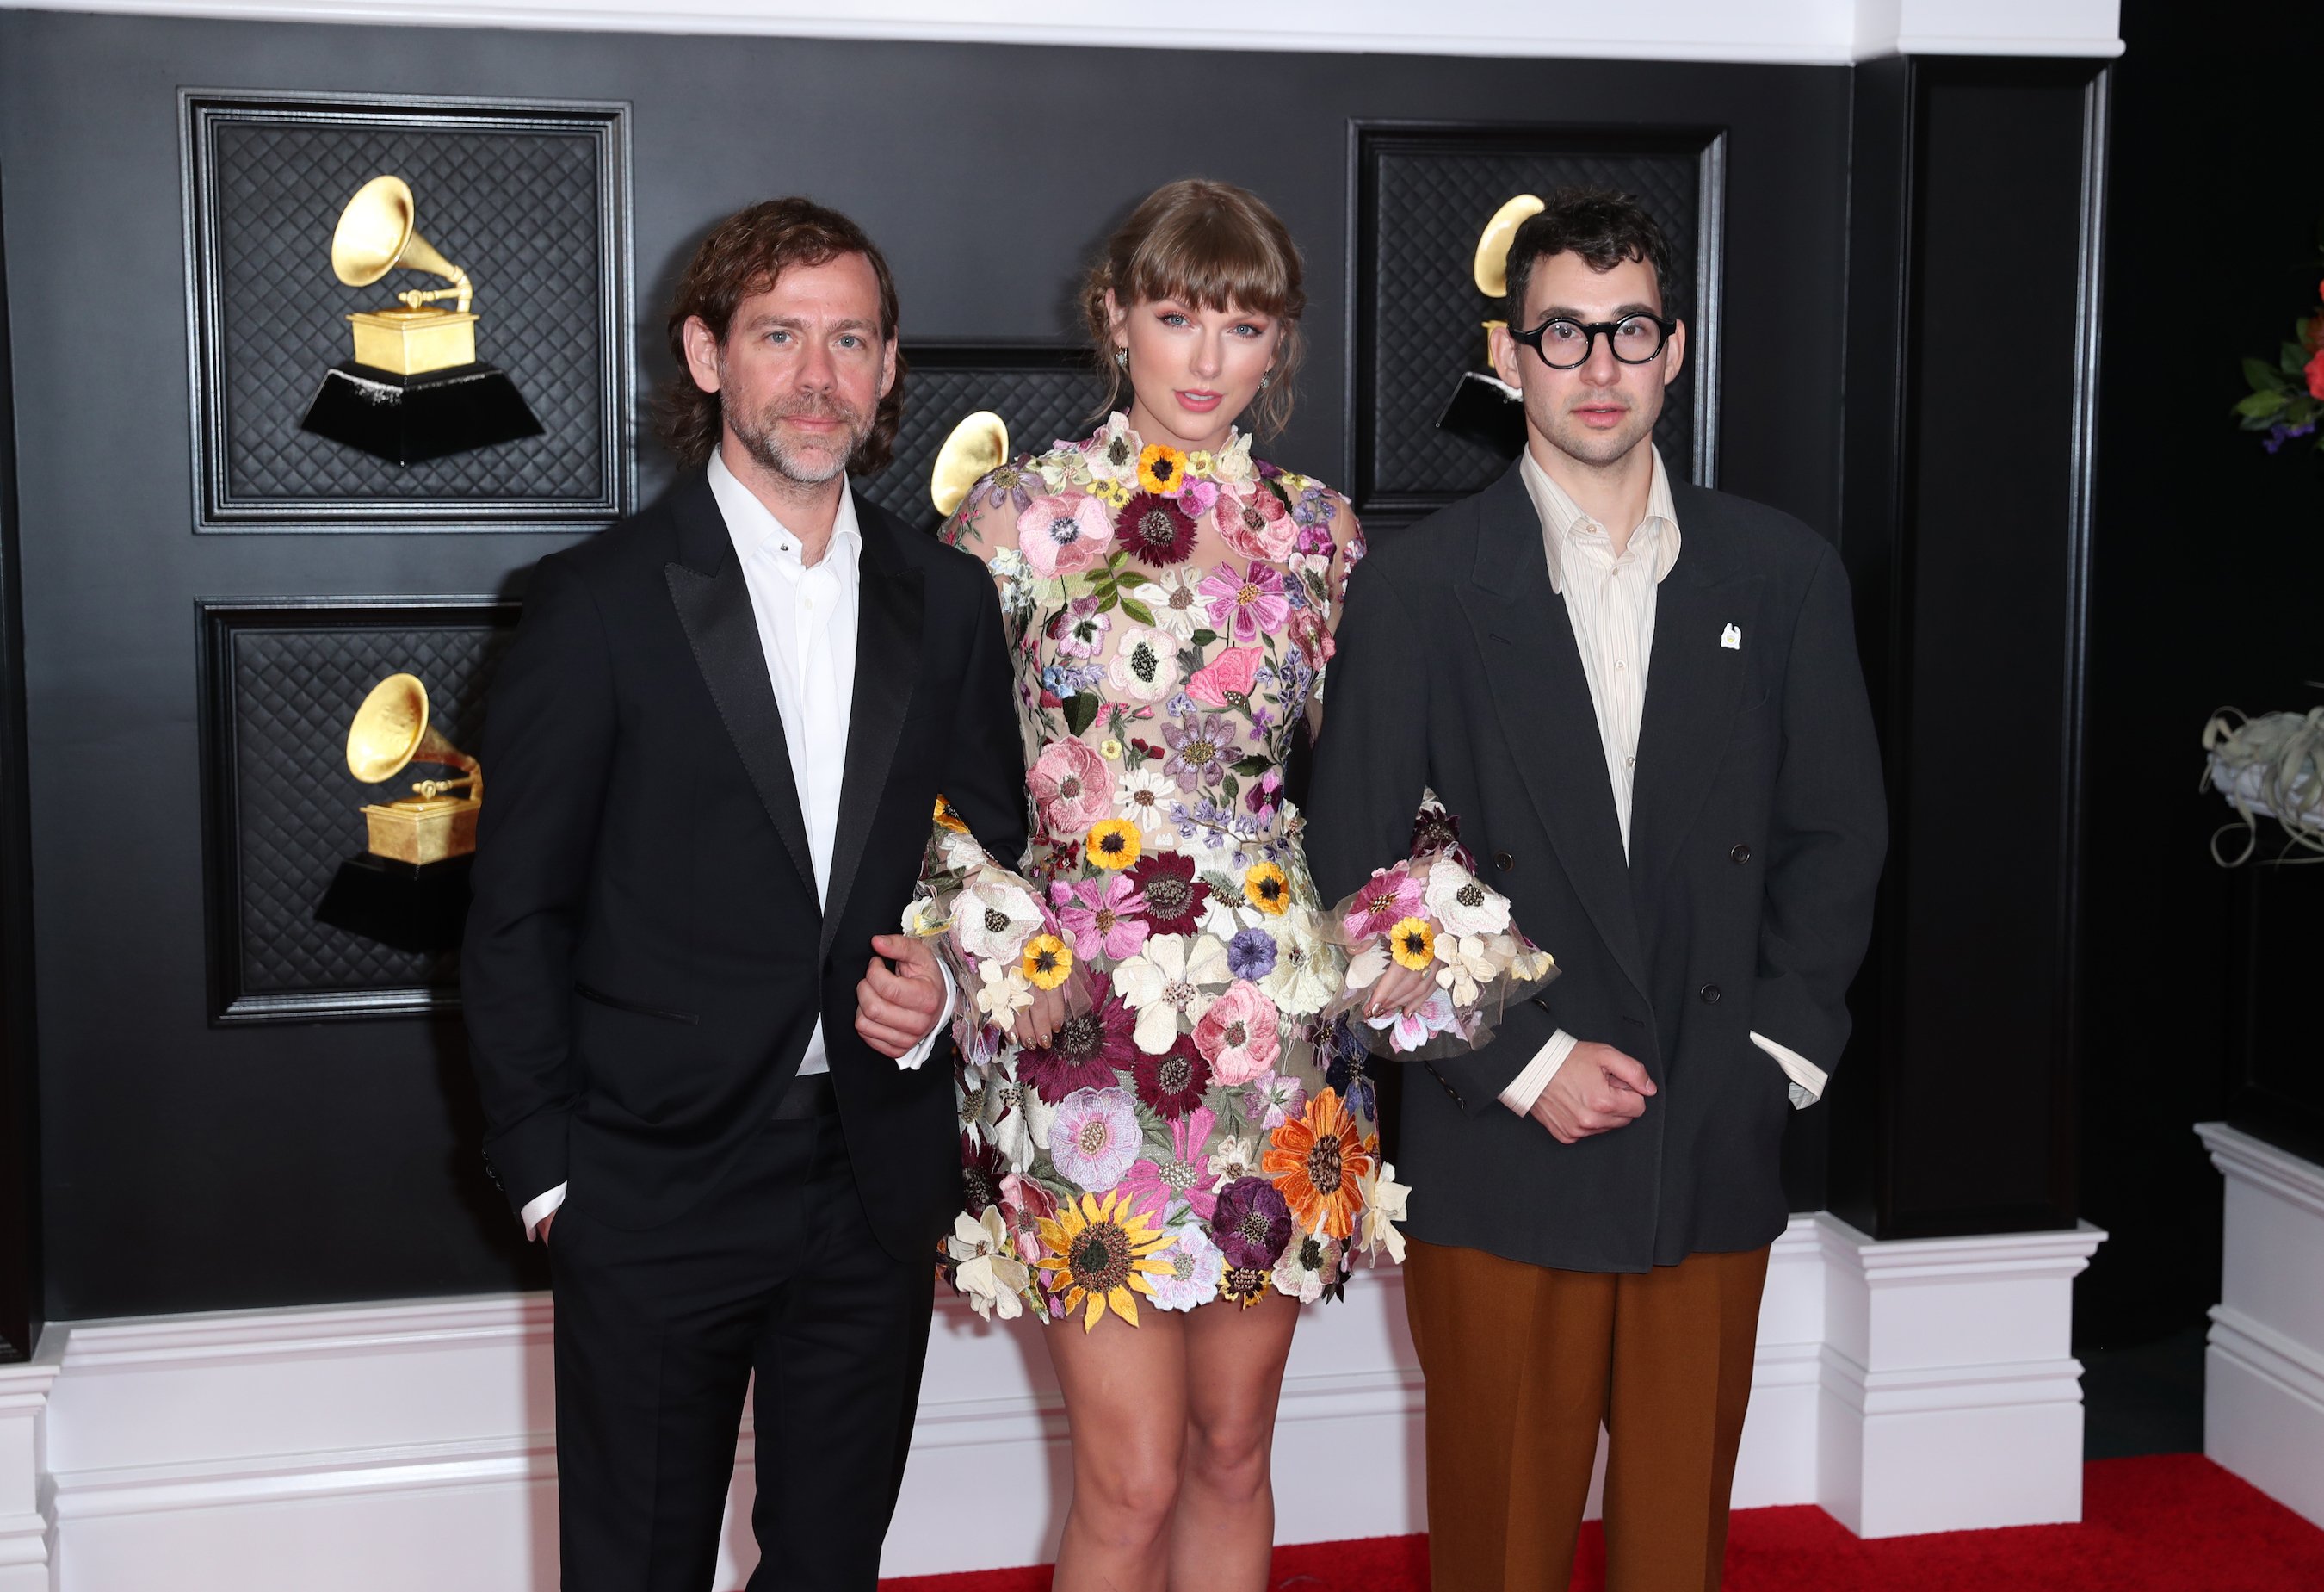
(1122, 358)
(1266, 377)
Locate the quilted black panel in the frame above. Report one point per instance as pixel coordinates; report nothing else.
(293, 679)
(1426, 195)
(528, 207)
(1041, 395)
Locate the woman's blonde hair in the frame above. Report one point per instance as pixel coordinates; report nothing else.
(1213, 246)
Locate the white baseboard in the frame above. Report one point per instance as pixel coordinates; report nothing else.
(378, 1447)
(2264, 1375)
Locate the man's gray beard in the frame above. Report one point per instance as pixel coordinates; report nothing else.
(761, 441)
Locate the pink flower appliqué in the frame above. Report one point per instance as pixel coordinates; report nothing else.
(1385, 899)
(1102, 914)
(1248, 605)
(1151, 1187)
(1238, 1034)
(1070, 781)
(1058, 535)
(1257, 526)
(1094, 1138)
(1198, 498)
(1231, 674)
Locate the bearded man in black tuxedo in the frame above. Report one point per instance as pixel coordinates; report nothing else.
(715, 747)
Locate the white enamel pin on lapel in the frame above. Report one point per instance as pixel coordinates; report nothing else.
(1731, 638)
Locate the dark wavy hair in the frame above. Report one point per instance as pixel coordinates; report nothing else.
(742, 256)
(1604, 227)
(1214, 245)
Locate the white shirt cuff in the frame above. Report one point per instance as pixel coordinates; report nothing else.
(1527, 1086)
(919, 1052)
(538, 1207)
(1807, 1079)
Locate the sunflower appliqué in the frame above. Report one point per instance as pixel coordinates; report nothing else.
(1162, 470)
(1047, 961)
(1114, 844)
(1413, 943)
(1098, 1254)
(948, 818)
(1317, 1162)
(1265, 886)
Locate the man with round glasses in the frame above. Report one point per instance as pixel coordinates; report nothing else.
(1643, 701)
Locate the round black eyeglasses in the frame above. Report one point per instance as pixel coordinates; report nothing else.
(1564, 343)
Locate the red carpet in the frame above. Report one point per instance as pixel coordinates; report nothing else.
(2156, 1525)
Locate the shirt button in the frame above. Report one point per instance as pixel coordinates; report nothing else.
(1504, 861)
(1617, 663)
(1629, 763)
(1709, 994)
(1741, 854)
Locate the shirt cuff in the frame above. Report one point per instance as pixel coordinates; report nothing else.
(1527, 1086)
(539, 1208)
(918, 1053)
(1807, 1079)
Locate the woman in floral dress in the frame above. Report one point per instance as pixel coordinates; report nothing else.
(1168, 1165)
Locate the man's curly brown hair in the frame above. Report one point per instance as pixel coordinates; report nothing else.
(743, 256)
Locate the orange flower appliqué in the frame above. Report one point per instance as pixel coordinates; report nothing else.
(1315, 1160)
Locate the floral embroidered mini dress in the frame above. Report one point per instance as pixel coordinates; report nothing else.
(1194, 1130)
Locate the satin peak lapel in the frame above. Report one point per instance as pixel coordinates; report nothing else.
(888, 615)
(714, 607)
(1543, 700)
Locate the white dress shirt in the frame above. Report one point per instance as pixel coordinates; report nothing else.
(1610, 601)
(806, 628)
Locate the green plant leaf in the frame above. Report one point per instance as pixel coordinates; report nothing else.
(1137, 610)
(2263, 376)
(1081, 710)
(2261, 405)
(2294, 359)
(1106, 603)
(1254, 765)
(1203, 638)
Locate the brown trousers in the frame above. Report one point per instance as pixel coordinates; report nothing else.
(1523, 1362)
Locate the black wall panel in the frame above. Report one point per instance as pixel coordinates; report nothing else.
(188, 1167)
(2210, 554)
(20, 1160)
(1973, 363)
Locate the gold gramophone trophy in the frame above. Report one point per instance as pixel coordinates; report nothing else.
(978, 444)
(410, 889)
(415, 389)
(1483, 408)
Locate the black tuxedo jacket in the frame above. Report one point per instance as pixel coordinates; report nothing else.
(1758, 825)
(646, 956)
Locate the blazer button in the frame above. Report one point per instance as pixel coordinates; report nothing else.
(1709, 994)
(1504, 861)
(1741, 854)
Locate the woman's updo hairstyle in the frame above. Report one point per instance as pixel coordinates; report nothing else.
(1215, 246)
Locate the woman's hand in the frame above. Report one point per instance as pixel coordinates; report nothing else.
(1037, 1023)
(1400, 989)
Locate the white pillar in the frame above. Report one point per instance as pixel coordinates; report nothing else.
(2264, 1373)
(24, 1430)
(1951, 1400)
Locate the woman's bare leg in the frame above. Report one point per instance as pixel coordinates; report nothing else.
(1125, 1390)
(1225, 1533)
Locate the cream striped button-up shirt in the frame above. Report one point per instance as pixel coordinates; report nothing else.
(1611, 602)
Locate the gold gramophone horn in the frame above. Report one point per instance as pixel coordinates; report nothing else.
(376, 236)
(978, 444)
(1492, 266)
(391, 729)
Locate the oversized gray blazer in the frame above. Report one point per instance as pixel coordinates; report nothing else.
(1758, 825)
